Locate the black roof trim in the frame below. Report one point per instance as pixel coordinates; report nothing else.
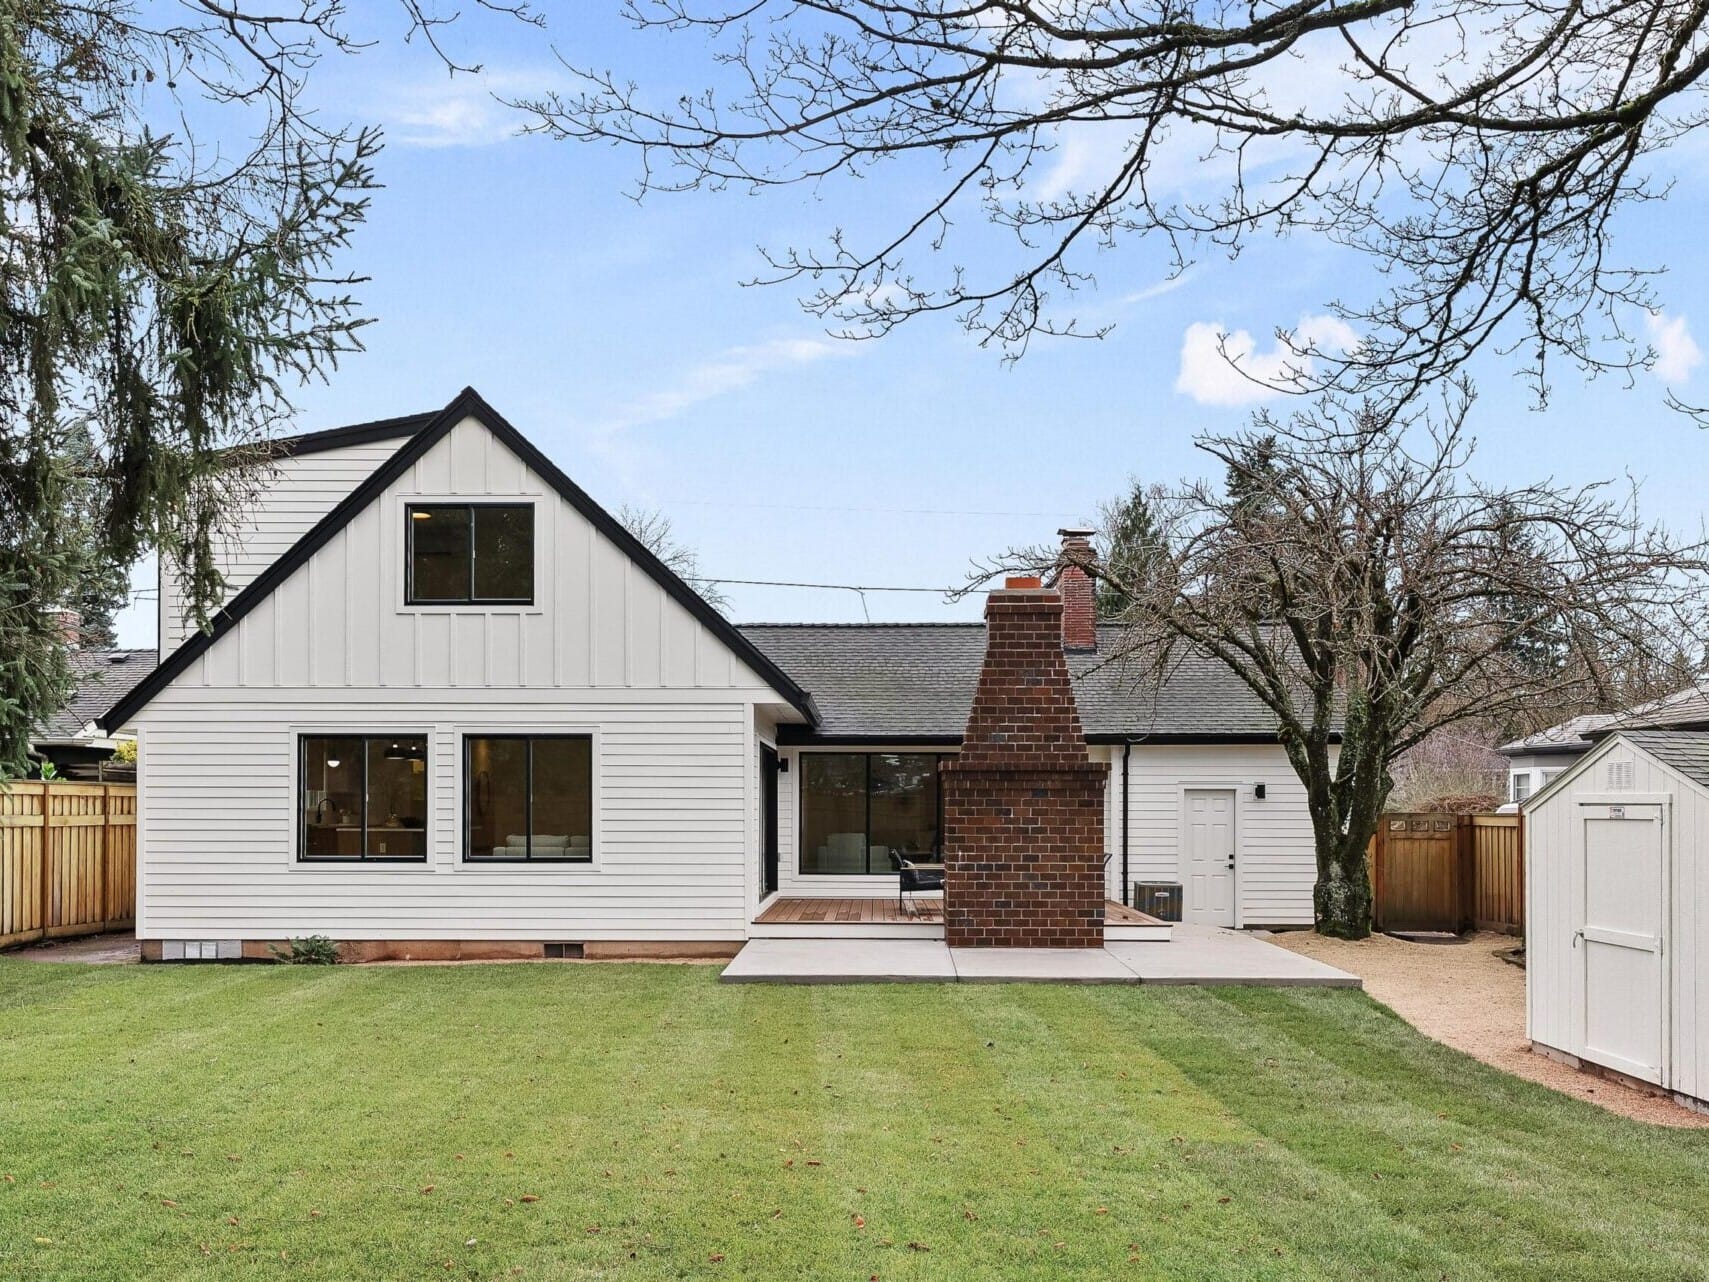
(334, 438)
(467, 404)
(804, 737)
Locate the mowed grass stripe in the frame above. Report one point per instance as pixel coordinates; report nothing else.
(1433, 1156)
(669, 1126)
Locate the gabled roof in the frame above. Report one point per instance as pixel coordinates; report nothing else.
(334, 438)
(467, 404)
(98, 677)
(915, 682)
(1687, 751)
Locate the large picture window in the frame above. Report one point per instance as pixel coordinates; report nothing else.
(364, 797)
(859, 807)
(471, 554)
(529, 797)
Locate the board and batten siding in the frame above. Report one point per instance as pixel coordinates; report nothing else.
(602, 650)
(1275, 855)
(292, 494)
(1555, 907)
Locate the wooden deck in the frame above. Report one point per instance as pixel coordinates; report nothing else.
(886, 911)
(853, 911)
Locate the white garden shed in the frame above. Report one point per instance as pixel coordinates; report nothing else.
(1617, 911)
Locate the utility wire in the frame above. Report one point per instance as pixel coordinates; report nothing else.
(886, 511)
(858, 589)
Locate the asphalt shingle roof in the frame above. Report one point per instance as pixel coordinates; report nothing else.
(1687, 751)
(894, 680)
(99, 677)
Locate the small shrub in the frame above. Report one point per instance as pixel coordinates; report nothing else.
(309, 950)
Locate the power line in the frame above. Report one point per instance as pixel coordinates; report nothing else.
(840, 587)
(859, 589)
(883, 511)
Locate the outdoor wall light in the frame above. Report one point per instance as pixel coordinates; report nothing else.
(1258, 791)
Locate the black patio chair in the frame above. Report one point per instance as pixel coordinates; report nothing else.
(913, 879)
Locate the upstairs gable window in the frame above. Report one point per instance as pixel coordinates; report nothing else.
(471, 554)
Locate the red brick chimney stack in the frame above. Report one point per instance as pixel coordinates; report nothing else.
(1079, 591)
(70, 625)
(1023, 802)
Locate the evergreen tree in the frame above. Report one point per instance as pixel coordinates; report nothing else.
(1133, 541)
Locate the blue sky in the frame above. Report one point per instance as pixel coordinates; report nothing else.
(619, 337)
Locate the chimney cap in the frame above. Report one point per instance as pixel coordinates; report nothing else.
(1077, 532)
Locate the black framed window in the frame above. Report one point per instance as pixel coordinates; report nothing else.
(859, 807)
(363, 797)
(471, 553)
(528, 797)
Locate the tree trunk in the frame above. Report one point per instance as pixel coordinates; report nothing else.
(1341, 900)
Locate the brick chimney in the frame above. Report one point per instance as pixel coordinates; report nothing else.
(1023, 801)
(1079, 591)
(69, 624)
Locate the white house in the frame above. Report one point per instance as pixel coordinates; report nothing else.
(453, 705)
(1617, 911)
(1534, 761)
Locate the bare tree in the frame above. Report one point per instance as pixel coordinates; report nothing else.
(1371, 594)
(653, 529)
(1476, 150)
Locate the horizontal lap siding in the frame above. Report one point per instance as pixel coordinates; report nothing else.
(220, 825)
(1274, 852)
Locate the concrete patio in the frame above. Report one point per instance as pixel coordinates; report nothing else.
(1196, 955)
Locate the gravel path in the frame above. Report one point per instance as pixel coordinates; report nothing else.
(1467, 997)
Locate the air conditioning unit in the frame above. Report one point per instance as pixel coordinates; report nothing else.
(1161, 899)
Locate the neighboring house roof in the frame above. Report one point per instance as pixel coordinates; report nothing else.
(1687, 751)
(335, 438)
(467, 404)
(1570, 738)
(1686, 709)
(98, 677)
(915, 681)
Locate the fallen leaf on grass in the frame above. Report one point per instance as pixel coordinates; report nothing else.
(529, 1197)
(717, 1257)
(166, 1201)
(918, 1246)
(427, 1188)
(860, 1221)
(1104, 1210)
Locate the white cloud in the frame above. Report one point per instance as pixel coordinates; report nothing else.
(458, 111)
(1677, 353)
(729, 371)
(1219, 367)
(1166, 286)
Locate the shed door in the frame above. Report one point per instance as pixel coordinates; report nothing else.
(1209, 856)
(1624, 984)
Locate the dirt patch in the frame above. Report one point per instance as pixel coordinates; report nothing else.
(100, 950)
(1469, 998)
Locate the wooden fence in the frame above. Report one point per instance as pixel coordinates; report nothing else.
(1448, 872)
(67, 859)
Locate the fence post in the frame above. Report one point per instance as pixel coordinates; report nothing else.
(46, 864)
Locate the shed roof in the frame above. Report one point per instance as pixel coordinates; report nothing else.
(916, 681)
(1686, 751)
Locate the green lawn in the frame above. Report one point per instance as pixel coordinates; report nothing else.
(639, 1122)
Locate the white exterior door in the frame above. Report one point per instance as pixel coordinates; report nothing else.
(1207, 856)
(1625, 868)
